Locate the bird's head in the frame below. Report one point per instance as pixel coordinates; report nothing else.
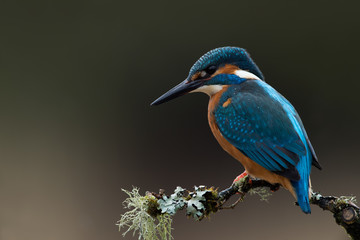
(216, 68)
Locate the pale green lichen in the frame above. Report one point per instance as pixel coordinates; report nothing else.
(262, 192)
(339, 200)
(194, 202)
(173, 203)
(346, 199)
(150, 217)
(140, 221)
(195, 205)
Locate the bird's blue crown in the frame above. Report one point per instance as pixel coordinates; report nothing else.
(227, 55)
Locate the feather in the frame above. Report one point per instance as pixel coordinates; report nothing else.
(266, 128)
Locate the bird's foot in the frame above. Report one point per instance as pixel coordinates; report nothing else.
(241, 176)
(274, 187)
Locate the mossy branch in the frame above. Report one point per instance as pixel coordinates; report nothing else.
(344, 210)
(150, 215)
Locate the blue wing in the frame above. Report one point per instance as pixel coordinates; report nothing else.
(264, 126)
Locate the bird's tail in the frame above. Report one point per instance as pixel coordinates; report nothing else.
(302, 194)
(302, 188)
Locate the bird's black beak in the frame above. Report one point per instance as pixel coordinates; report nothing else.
(177, 91)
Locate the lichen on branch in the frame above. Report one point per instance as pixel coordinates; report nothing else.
(139, 219)
(150, 216)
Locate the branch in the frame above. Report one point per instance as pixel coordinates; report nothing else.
(344, 210)
(151, 214)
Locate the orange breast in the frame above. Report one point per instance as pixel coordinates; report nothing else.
(250, 166)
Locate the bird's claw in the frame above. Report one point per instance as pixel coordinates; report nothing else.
(274, 187)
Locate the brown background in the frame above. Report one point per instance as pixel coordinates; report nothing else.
(77, 78)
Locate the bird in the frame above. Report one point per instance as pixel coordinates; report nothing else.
(251, 121)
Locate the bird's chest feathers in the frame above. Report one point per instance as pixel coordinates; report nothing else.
(226, 145)
(250, 166)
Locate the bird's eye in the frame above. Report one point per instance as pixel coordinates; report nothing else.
(211, 69)
(208, 71)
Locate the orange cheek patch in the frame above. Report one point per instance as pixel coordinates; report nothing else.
(195, 76)
(227, 69)
(225, 104)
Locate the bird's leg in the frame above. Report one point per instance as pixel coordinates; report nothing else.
(273, 187)
(241, 176)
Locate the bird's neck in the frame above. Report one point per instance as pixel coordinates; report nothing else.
(214, 101)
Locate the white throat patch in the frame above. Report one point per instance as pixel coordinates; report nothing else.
(209, 89)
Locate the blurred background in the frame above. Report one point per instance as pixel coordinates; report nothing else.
(76, 81)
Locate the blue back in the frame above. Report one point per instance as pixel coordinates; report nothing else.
(264, 126)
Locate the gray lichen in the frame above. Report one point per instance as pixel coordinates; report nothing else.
(195, 205)
(262, 192)
(173, 203)
(149, 216)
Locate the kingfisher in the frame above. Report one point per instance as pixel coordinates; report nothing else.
(251, 121)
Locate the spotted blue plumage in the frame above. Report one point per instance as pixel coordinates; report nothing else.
(264, 126)
(225, 55)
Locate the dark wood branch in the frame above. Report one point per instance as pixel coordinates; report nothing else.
(344, 210)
